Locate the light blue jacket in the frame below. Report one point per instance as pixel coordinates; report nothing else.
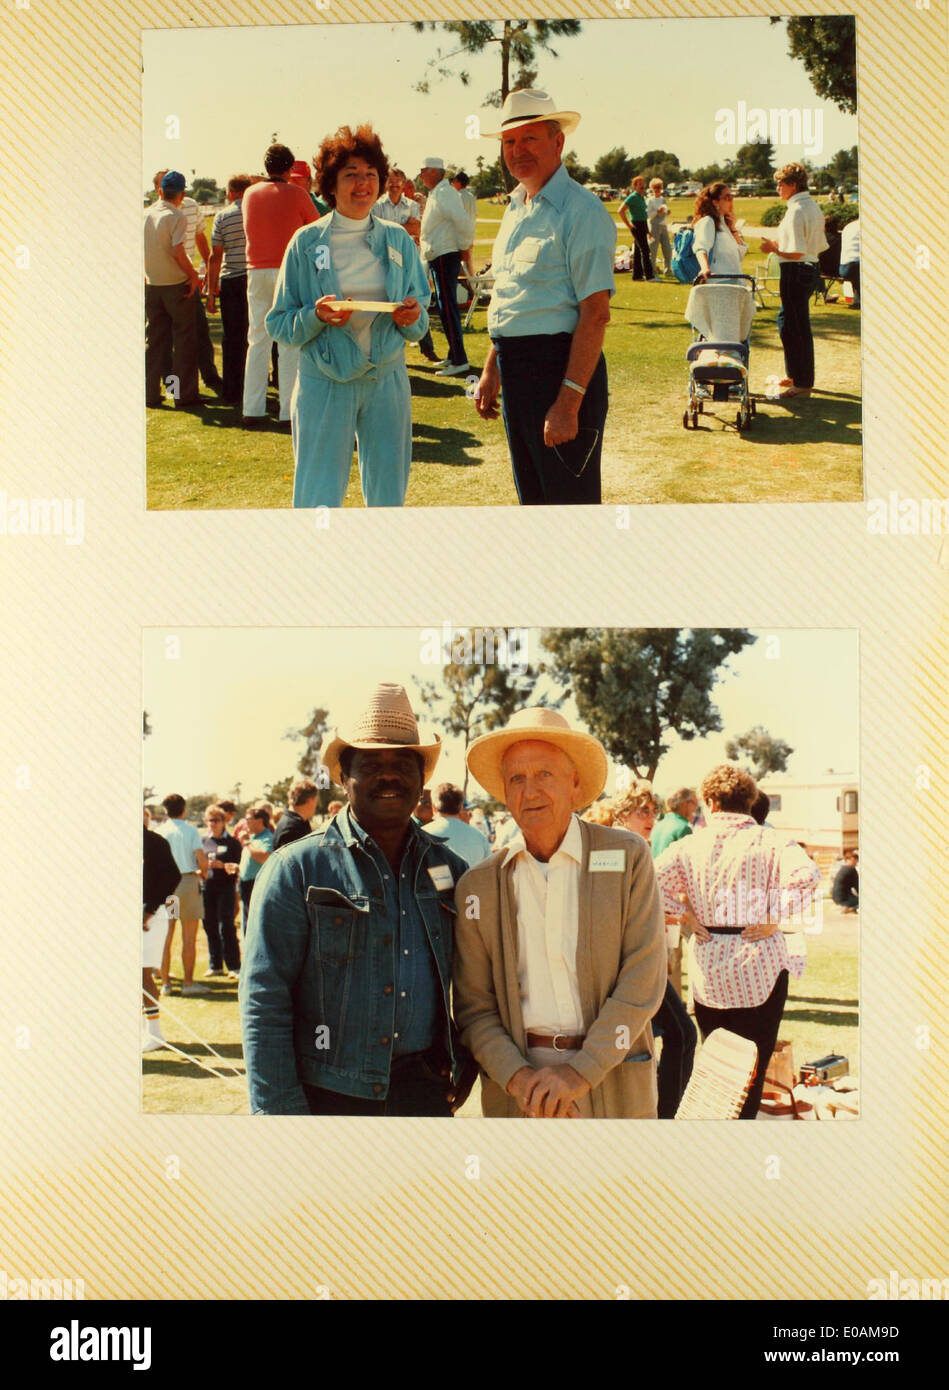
(307, 273)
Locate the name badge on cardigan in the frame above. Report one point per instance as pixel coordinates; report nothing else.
(395, 255)
(441, 877)
(607, 861)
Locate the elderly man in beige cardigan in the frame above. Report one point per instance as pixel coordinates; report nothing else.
(560, 953)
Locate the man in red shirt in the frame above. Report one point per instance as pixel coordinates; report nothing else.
(272, 210)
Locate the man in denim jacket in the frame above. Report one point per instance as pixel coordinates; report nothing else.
(347, 965)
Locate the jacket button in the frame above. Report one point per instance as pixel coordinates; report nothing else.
(337, 921)
(387, 990)
(377, 1088)
(384, 1041)
(387, 941)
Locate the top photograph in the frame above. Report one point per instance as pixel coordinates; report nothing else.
(502, 263)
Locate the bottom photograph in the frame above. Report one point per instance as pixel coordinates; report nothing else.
(543, 873)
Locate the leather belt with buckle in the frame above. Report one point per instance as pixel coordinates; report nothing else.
(560, 1042)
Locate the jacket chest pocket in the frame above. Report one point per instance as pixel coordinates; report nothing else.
(438, 911)
(340, 925)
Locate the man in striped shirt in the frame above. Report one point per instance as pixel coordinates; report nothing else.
(227, 280)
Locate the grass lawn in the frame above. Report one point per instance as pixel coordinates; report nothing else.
(820, 1017)
(808, 450)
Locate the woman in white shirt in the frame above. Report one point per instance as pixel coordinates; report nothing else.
(716, 240)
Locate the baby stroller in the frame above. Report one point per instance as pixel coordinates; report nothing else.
(720, 312)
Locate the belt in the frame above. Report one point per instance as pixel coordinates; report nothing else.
(730, 931)
(560, 1042)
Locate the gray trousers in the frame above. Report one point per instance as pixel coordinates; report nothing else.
(660, 237)
(170, 319)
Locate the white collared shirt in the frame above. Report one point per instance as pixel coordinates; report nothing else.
(548, 919)
(445, 223)
(802, 228)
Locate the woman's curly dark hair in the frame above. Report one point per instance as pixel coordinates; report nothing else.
(704, 203)
(337, 150)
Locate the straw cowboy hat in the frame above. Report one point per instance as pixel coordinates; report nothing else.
(529, 106)
(584, 751)
(386, 722)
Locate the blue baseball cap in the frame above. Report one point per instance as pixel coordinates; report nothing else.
(173, 182)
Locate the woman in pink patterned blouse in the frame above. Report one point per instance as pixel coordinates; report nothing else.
(746, 884)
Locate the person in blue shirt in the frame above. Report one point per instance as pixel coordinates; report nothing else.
(353, 386)
(347, 964)
(553, 269)
(449, 825)
(257, 842)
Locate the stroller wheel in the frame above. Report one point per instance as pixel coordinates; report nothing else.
(695, 419)
(738, 421)
(752, 407)
(685, 419)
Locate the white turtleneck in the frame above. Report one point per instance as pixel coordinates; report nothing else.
(360, 272)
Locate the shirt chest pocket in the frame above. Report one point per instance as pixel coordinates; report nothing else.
(538, 256)
(340, 925)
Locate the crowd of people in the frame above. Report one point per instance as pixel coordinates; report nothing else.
(403, 943)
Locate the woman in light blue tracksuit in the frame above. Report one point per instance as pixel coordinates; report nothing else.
(353, 386)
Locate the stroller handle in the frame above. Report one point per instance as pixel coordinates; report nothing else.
(742, 276)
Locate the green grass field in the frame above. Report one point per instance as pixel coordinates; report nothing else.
(807, 450)
(820, 1017)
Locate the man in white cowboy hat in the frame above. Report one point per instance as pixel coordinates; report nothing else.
(553, 278)
(347, 961)
(560, 954)
(446, 231)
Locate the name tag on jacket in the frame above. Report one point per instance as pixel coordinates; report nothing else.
(395, 255)
(607, 861)
(441, 877)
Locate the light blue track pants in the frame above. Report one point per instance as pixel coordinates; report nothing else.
(329, 417)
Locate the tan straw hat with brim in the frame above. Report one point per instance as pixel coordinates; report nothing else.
(386, 722)
(584, 751)
(527, 107)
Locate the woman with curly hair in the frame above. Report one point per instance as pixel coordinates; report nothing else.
(745, 883)
(636, 809)
(353, 386)
(716, 241)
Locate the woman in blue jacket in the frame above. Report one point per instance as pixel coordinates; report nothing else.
(353, 387)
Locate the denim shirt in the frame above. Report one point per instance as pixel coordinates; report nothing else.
(307, 274)
(319, 975)
(417, 990)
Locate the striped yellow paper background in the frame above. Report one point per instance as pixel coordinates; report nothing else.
(239, 1208)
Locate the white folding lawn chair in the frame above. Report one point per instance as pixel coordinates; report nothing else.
(768, 279)
(721, 1078)
(479, 285)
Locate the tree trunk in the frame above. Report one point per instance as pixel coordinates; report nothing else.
(507, 181)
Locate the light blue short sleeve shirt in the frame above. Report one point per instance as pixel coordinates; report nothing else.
(550, 253)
